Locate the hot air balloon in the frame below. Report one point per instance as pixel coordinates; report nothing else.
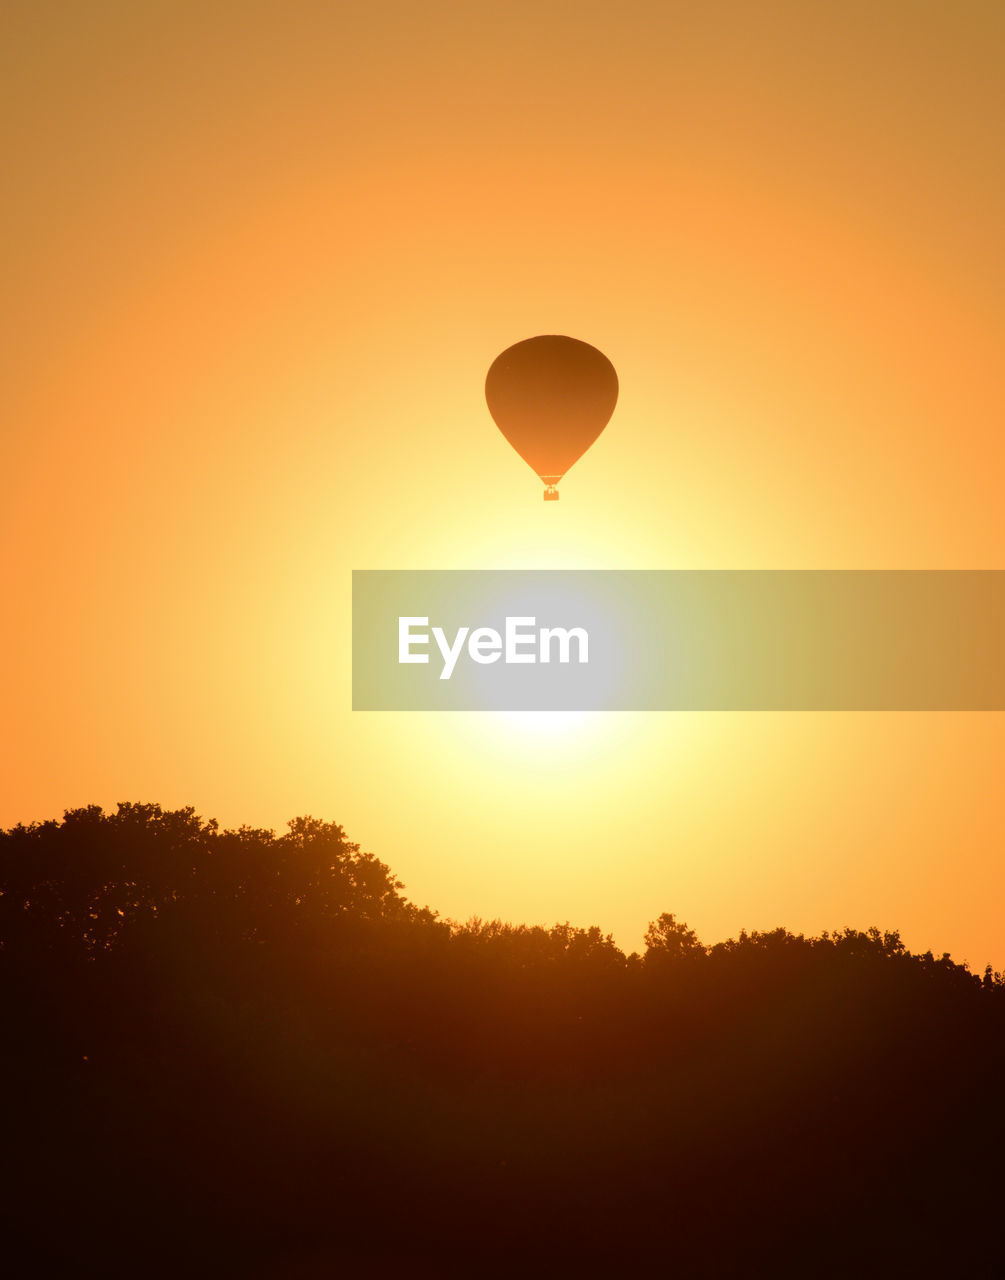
(551, 397)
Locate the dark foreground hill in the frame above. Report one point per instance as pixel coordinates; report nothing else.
(231, 1053)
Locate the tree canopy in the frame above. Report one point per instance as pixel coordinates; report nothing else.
(252, 1048)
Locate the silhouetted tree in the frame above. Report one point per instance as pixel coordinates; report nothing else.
(252, 1050)
(670, 939)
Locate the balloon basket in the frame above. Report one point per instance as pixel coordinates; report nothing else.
(551, 493)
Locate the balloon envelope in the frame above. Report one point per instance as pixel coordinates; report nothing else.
(551, 397)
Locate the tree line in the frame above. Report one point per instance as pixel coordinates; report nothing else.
(250, 1053)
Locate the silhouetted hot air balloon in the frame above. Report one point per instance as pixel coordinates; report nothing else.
(551, 397)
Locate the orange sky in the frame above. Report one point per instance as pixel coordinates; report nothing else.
(258, 258)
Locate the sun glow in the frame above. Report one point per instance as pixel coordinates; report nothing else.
(550, 724)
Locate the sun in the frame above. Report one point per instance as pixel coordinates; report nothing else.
(549, 724)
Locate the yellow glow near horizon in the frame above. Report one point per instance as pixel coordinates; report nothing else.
(549, 723)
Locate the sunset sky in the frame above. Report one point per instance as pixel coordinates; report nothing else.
(258, 258)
